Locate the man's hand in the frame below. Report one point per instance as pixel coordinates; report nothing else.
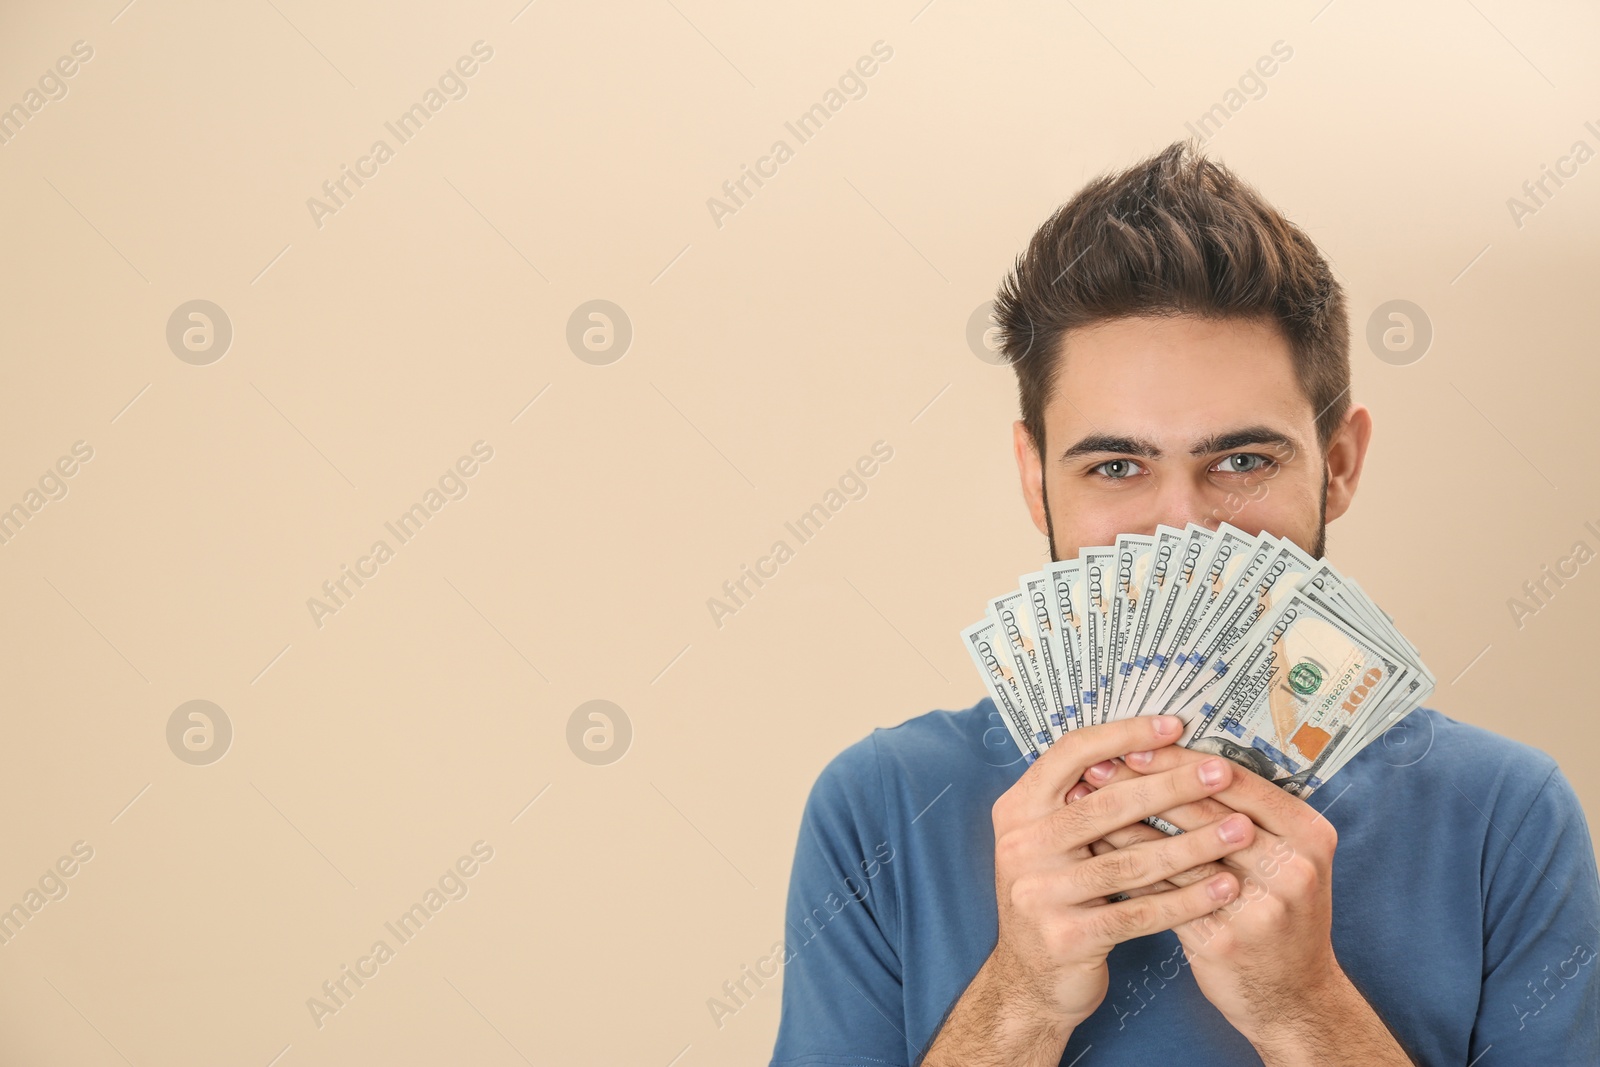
(1266, 961)
(1048, 971)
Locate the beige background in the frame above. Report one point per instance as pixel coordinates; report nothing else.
(768, 354)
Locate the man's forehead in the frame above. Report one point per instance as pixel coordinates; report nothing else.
(1176, 381)
(1168, 419)
(1118, 351)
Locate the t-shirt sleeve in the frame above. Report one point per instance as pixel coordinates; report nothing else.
(1541, 985)
(842, 996)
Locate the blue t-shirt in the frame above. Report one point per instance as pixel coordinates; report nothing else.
(1466, 905)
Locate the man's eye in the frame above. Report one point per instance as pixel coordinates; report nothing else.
(1244, 463)
(1116, 469)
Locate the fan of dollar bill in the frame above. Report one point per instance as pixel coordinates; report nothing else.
(1270, 657)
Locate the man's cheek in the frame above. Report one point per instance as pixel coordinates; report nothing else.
(1082, 521)
(1257, 490)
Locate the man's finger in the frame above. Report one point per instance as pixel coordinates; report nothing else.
(1154, 912)
(1198, 873)
(1121, 872)
(1042, 786)
(1127, 869)
(1268, 806)
(1261, 857)
(1102, 846)
(1090, 817)
(1185, 817)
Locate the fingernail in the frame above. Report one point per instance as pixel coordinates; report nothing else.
(1100, 771)
(1212, 771)
(1220, 888)
(1167, 725)
(1077, 792)
(1138, 759)
(1232, 829)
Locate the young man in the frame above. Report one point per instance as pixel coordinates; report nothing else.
(1182, 354)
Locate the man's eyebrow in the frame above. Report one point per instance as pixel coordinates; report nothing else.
(1105, 442)
(1249, 435)
(1097, 443)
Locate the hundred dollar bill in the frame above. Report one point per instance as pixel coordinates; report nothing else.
(1344, 597)
(1161, 572)
(1165, 612)
(1099, 566)
(1248, 564)
(1134, 553)
(983, 642)
(1066, 621)
(1381, 710)
(1226, 554)
(1062, 706)
(1382, 621)
(1295, 697)
(1334, 588)
(1010, 613)
(1286, 566)
(1273, 659)
(1421, 685)
(1417, 690)
(1204, 639)
(1402, 699)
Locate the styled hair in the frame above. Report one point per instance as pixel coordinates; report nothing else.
(1175, 234)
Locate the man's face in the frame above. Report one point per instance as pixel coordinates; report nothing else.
(1177, 420)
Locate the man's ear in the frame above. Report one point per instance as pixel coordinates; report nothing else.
(1346, 452)
(1032, 472)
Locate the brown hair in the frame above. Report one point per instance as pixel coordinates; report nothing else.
(1174, 234)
